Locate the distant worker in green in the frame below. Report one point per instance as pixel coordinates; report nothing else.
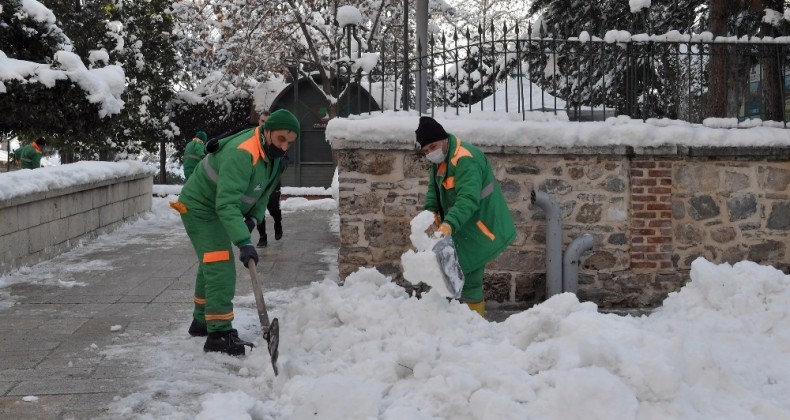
(29, 157)
(194, 153)
(220, 206)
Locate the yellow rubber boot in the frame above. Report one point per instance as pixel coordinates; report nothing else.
(479, 307)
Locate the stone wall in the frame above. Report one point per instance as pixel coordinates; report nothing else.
(38, 226)
(651, 211)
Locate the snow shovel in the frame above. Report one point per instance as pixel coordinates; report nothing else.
(271, 331)
(448, 263)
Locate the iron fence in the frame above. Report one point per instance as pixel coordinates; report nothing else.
(687, 77)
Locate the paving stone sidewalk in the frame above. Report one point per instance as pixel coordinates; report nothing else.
(52, 338)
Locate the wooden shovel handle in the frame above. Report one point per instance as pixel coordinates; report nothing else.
(259, 302)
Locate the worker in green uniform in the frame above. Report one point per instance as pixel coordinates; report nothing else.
(220, 205)
(193, 153)
(468, 203)
(29, 157)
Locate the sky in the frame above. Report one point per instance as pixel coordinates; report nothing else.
(716, 349)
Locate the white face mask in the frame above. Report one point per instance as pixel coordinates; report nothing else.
(437, 156)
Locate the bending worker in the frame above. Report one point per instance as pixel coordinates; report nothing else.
(220, 205)
(467, 202)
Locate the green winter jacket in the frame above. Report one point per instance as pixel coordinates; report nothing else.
(471, 202)
(29, 156)
(232, 183)
(193, 153)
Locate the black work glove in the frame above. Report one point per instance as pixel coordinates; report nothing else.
(247, 253)
(250, 222)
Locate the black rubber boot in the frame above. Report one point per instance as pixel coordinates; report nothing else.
(197, 329)
(227, 342)
(263, 243)
(278, 230)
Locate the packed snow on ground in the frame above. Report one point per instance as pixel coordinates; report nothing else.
(716, 349)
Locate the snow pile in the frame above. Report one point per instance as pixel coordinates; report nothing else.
(368, 350)
(23, 182)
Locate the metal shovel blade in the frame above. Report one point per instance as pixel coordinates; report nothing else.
(271, 331)
(272, 337)
(448, 263)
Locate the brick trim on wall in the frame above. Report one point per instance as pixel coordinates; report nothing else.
(651, 215)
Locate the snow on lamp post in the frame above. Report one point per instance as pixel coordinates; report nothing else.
(348, 18)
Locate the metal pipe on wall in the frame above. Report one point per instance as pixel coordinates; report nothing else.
(570, 262)
(553, 241)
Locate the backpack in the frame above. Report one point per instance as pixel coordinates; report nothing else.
(215, 143)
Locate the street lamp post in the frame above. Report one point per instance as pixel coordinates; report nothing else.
(422, 50)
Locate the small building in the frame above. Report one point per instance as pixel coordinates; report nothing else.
(311, 163)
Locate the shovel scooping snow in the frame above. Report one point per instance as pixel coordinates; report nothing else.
(448, 263)
(435, 261)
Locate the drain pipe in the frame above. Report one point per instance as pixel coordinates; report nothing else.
(553, 241)
(570, 262)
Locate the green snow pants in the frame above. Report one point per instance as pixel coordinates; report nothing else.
(473, 286)
(216, 277)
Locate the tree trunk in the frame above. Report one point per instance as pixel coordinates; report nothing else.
(162, 162)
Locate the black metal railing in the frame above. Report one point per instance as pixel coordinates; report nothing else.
(676, 76)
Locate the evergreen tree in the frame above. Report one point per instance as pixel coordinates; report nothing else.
(30, 109)
(138, 36)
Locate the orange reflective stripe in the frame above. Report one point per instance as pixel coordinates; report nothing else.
(216, 256)
(199, 301)
(220, 317)
(459, 153)
(179, 207)
(253, 146)
(449, 183)
(483, 228)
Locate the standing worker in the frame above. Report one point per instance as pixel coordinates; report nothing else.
(274, 203)
(219, 207)
(194, 153)
(468, 203)
(29, 156)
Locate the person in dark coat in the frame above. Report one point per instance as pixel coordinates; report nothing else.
(273, 206)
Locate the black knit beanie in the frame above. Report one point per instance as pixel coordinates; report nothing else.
(41, 141)
(429, 131)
